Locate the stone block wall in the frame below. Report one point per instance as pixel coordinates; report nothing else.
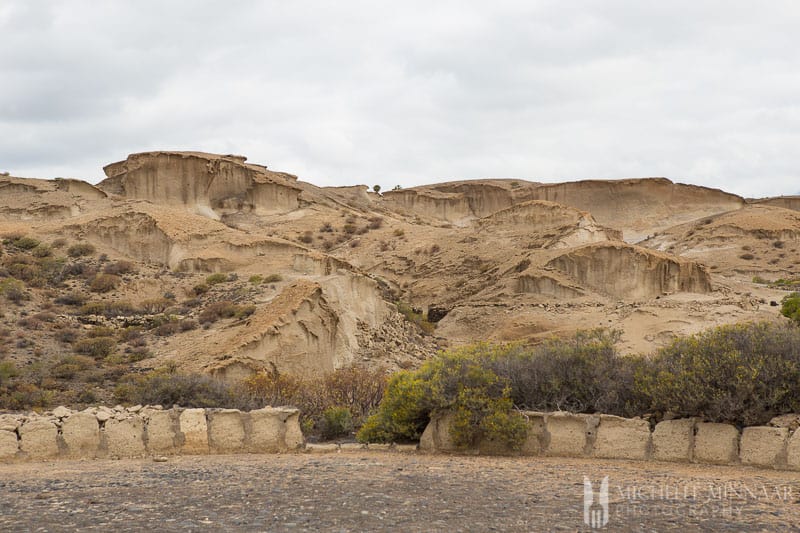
(562, 434)
(102, 432)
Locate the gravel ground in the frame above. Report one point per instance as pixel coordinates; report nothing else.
(372, 491)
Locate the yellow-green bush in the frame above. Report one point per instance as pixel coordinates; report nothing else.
(97, 347)
(790, 306)
(416, 317)
(459, 381)
(216, 279)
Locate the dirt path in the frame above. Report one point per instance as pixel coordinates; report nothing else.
(368, 491)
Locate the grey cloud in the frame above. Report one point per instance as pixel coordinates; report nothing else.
(411, 92)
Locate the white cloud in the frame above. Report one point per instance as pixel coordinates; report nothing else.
(409, 92)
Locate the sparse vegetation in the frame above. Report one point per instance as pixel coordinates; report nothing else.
(119, 268)
(80, 250)
(416, 317)
(104, 283)
(224, 309)
(790, 307)
(743, 374)
(216, 279)
(96, 347)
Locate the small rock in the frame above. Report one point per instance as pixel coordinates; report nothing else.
(159, 459)
(102, 416)
(61, 412)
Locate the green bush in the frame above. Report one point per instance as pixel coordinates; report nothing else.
(167, 388)
(583, 373)
(119, 268)
(80, 250)
(459, 381)
(216, 279)
(273, 278)
(225, 309)
(416, 317)
(357, 389)
(336, 422)
(104, 283)
(26, 243)
(743, 374)
(97, 347)
(8, 370)
(72, 365)
(71, 298)
(109, 309)
(13, 290)
(790, 306)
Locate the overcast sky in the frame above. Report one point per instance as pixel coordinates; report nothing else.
(700, 91)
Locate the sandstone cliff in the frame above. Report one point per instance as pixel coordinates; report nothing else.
(211, 185)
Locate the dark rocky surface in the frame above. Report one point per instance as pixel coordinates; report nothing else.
(371, 491)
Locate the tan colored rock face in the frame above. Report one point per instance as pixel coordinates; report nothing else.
(207, 184)
(194, 428)
(622, 438)
(81, 433)
(37, 438)
(763, 446)
(673, 439)
(8, 444)
(125, 438)
(716, 443)
(626, 271)
(226, 431)
(160, 432)
(498, 260)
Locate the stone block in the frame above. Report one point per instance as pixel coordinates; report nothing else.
(273, 429)
(225, 431)
(125, 438)
(37, 438)
(568, 434)
(793, 451)
(194, 427)
(763, 446)
(437, 437)
(534, 443)
(622, 438)
(672, 440)
(81, 434)
(161, 431)
(293, 436)
(9, 422)
(8, 444)
(715, 443)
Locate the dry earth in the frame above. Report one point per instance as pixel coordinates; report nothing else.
(491, 259)
(369, 491)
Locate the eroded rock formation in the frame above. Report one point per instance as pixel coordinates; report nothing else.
(211, 185)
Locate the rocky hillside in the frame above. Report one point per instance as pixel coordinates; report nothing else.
(211, 264)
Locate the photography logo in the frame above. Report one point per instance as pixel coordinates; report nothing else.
(595, 509)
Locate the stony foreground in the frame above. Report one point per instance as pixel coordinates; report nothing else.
(359, 491)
